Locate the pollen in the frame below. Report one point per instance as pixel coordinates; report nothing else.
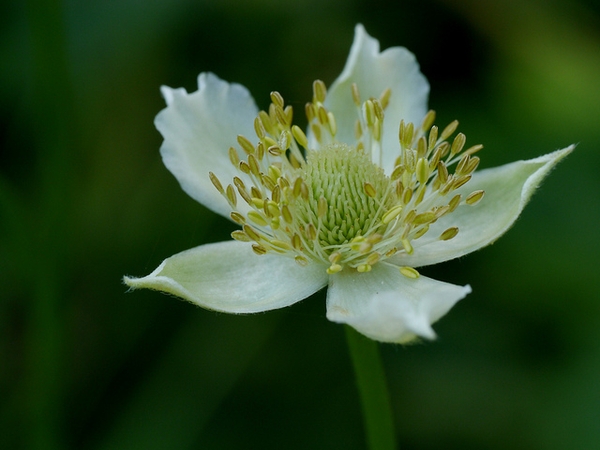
(319, 200)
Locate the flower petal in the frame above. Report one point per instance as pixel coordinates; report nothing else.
(373, 72)
(389, 307)
(230, 277)
(507, 189)
(198, 129)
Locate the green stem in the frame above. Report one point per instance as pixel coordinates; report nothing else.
(372, 387)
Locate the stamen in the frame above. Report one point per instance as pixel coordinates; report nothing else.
(409, 272)
(335, 205)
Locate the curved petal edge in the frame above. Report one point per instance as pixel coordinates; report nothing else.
(388, 307)
(230, 277)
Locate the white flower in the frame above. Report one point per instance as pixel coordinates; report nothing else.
(377, 192)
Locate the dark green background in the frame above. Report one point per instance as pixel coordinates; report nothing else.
(85, 199)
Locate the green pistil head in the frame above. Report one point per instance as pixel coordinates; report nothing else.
(348, 195)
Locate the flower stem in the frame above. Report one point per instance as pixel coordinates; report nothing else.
(372, 387)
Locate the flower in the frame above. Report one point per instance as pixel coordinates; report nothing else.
(377, 192)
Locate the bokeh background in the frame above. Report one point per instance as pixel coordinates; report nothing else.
(85, 199)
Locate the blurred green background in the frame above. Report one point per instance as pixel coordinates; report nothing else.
(85, 199)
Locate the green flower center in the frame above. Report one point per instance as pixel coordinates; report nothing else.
(336, 206)
(347, 194)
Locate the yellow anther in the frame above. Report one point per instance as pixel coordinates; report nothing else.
(244, 167)
(251, 232)
(259, 128)
(449, 130)
(421, 147)
(409, 272)
(421, 231)
(365, 247)
(237, 218)
(309, 110)
(258, 202)
(267, 182)
(355, 95)
(253, 163)
(378, 109)
(374, 238)
(215, 181)
(322, 115)
(274, 172)
(233, 156)
(407, 246)
(369, 189)
(458, 144)
(287, 214)
(460, 167)
(280, 244)
(281, 116)
(397, 172)
(369, 112)
(407, 196)
(316, 129)
(473, 149)
(449, 234)
(335, 257)
(277, 99)
(245, 144)
(285, 139)
(461, 181)
(406, 135)
(319, 91)
(239, 235)
(392, 214)
(364, 268)
(273, 208)
(275, 223)
(454, 202)
(332, 123)
(474, 197)
(311, 231)
(384, 98)
(322, 207)
(231, 195)
(334, 268)
(259, 249)
(260, 150)
(297, 189)
(433, 135)
(300, 136)
(301, 260)
(426, 217)
(373, 258)
(289, 114)
(266, 121)
(422, 170)
(428, 121)
(275, 150)
(297, 242)
(258, 218)
(442, 172)
(472, 166)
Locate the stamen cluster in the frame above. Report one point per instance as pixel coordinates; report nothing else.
(333, 204)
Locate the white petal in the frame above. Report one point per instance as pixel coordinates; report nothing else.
(198, 129)
(507, 189)
(230, 277)
(389, 307)
(373, 72)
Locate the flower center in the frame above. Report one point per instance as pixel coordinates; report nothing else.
(336, 206)
(347, 194)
